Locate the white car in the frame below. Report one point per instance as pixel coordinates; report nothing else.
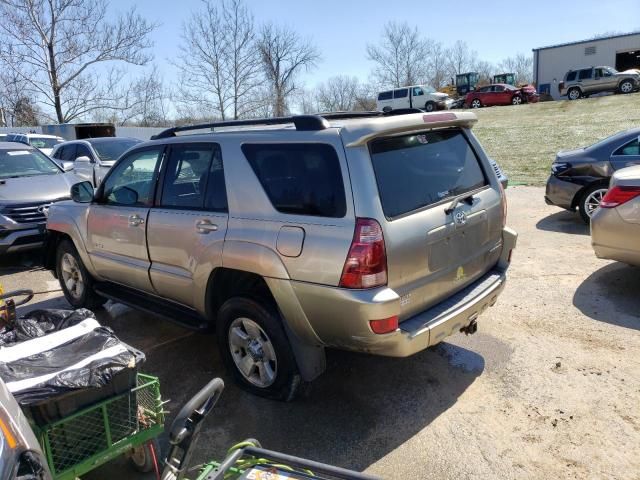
(44, 143)
(423, 97)
(93, 157)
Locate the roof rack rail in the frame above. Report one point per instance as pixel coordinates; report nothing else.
(365, 114)
(301, 122)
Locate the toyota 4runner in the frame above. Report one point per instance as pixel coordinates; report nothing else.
(371, 232)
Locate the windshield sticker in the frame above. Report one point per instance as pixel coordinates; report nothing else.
(18, 152)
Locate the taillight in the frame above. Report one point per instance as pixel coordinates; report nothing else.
(366, 264)
(618, 195)
(561, 86)
(503, 197)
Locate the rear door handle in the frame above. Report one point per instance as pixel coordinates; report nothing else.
(205, 226)
(135, 220)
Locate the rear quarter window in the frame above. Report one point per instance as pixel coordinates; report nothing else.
(300, 179)
(418, 170)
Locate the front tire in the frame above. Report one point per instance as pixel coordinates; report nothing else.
(574, 94)
(516, 100)
(75, 280)
(476, 103)
(430, 106)
(590, 201)
(256, 350)
(626, 86)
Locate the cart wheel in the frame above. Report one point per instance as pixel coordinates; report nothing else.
(144, 457)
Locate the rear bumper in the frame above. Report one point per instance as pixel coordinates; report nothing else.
(340, 317)
(613, 238)
(561, 193)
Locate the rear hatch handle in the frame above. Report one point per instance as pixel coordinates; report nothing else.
(467, 197)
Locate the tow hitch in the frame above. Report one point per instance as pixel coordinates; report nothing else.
(471, 328)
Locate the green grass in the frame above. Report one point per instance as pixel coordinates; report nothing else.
(524, 139)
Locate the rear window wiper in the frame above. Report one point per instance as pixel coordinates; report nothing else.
(465, 197)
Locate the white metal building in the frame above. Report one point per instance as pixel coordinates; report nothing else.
(550, 64)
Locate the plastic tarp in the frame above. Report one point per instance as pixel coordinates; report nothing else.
(82, 356)
(41, 322)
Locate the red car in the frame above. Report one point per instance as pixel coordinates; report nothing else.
(500, 94)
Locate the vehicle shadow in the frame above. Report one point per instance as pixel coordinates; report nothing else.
(563, 222)
(18, 263)
(610, 295)
(360, 410)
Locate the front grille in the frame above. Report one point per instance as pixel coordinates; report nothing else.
(27, 212)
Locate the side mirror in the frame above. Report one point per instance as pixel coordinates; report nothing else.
(82, 192)
(83, 158)
(66, 166)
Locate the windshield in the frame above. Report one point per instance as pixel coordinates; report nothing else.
(43, 142)
(429, 90)
(111, 151)
(25, 163)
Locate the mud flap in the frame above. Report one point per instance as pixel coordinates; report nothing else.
(311, 360)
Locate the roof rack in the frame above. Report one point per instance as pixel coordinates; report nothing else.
(301, 122)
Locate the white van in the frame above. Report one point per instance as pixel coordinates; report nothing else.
(415, 96)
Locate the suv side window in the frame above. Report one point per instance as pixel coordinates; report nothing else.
(631, 148)
(132, 180)
(194, 178)
(585, 74)
(571, 76)
(401, 93)
(300, 179)
(385, 95)
(82, 151)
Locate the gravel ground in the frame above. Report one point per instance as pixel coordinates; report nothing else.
(549, 387)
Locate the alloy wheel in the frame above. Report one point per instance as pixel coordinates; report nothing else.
(516, 101)
(252, 352)
(626, 87)
(475, 103)
(72, 276)
(592, 202)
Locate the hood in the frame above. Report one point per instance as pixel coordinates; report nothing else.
(41, 188)
(440, 95)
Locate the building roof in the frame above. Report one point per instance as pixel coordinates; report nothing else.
(589, 40)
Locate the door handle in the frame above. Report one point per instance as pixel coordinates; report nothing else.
(135, 220)
(205, 226)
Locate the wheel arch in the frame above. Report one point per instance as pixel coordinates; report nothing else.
(577, 198)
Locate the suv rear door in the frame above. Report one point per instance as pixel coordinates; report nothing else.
(586, 81)
(187, 228)
(432, 252)
(117, 224)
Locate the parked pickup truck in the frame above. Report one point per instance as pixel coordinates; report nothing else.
(364, 231)
(416, 96)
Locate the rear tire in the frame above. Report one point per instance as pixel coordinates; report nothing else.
(574, 93)
(386, 109)
(75, 281)
(590, 200)
(256, 350)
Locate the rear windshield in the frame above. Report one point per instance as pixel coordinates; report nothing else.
(417, 170)
(44, 142)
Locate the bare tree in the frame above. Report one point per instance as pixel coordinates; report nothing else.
(402, 56)
(338, 93)
(521, 65)
(366, 98)
(284, 55)
(145, 102)
(438, 66)
(55, 46)
(485, 71)
(461, 58)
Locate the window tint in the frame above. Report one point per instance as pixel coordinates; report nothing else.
(631, 148)
(585, 74)
(571, 76)
(194, 178)
(414, 171)
(301, 179)
(385, 95)
(498, 88)
(417, 91)
(402, 93)
(484, 89)
(68, 153)
(82, 151)
(132, 181)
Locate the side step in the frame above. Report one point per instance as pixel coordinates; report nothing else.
(152, 304)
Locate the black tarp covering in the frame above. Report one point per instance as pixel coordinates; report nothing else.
(40, 322)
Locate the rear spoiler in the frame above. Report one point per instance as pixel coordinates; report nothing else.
(409, 123)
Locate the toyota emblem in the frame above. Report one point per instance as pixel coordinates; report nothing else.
(44, 209)
(460, 218)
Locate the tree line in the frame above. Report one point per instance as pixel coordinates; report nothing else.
(68, 60)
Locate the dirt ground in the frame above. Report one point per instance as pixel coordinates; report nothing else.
(548, 388)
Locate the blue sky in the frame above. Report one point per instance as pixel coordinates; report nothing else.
(342, 28)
